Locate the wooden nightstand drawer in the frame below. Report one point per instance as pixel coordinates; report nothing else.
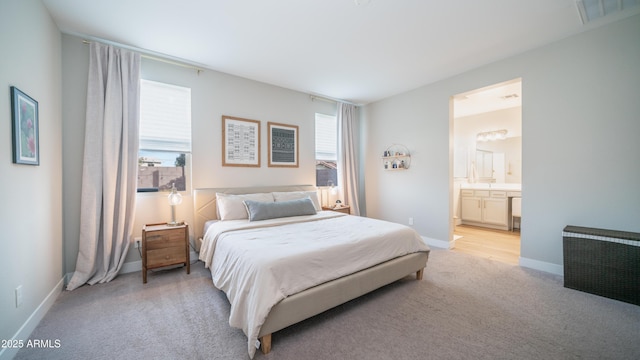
(167, 238)
(164, 245)
(166, 256)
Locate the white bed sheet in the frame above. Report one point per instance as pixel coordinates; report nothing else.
(257, 264)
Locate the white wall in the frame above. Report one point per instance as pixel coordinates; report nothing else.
(213, 94)
(31, 208)
(579, 144)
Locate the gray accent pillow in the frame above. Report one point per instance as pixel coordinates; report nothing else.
(295, 195)
(259, 210)
(230, 206)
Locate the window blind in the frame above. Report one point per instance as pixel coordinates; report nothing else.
(165, 117)
(326, 137)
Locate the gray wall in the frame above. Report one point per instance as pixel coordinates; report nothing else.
(213, 94)
(31, 208)
(580, 143)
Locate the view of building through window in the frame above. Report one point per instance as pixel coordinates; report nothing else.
(165, 137)
(158, 171)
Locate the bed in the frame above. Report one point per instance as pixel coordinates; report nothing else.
(290, 296)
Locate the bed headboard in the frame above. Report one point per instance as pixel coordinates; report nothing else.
(204, 202)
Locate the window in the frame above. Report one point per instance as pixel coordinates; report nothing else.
(326, 150)
(165, 137)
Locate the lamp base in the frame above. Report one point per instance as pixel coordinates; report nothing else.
(173, 221)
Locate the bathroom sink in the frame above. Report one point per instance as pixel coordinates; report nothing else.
(501, 186)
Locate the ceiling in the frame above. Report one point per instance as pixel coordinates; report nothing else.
(354, 50)
(491, 98)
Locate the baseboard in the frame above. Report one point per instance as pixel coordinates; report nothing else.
(439, 243)
(542, 266)
(34, 319)
(130, 267)
(134, 266)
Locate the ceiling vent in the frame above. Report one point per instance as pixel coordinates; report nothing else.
(590, 10)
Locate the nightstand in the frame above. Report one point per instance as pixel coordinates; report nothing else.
(345, 209)
(164, 245)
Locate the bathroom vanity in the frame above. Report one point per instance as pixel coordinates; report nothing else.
(488, 205)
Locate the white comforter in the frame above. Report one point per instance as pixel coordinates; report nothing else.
(257, 264)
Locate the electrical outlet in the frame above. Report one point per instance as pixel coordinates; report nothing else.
(410, 221)
(19, 296)
(137, 244)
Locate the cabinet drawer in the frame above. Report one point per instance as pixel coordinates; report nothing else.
(166, 238)
(514, 194)
(466, 192)
(482, 193)
(498, 194)
(166, 256)
(164, 245)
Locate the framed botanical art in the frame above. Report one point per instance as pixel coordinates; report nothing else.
(283, 145)
(24, 120)
(240, 142)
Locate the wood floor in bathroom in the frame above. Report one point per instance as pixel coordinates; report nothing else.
(498, 245)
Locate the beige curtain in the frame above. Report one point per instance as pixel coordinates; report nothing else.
(110, 164)
(347, 155)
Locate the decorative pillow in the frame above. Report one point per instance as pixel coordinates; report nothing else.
(295, 195)
(231, 206)
(270, 210)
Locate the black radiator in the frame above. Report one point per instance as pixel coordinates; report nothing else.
(602, 262)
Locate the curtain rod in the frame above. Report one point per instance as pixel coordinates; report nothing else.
(330, 100)
(145, 54)
(162, 58)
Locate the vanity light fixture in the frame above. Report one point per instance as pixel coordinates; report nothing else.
(492, 135)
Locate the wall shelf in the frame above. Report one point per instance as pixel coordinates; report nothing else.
(396, 158)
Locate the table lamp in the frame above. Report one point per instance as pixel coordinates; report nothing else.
(174, 199)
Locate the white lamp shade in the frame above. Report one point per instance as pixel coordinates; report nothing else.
(175, 198)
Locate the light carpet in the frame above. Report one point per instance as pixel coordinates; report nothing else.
(465, 308)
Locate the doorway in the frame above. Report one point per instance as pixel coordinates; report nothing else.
(487, 171)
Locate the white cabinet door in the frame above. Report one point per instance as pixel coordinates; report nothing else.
(495, 211)
(471, 209)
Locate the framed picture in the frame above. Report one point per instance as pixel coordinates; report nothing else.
(283, 145)
(24, 120)
(240, 142)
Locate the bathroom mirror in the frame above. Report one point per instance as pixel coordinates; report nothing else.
(484, 164)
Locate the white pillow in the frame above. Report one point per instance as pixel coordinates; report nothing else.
(295, 195)
(231, 206)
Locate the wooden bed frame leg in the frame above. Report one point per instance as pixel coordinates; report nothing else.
(265, 344)
(419, 274)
